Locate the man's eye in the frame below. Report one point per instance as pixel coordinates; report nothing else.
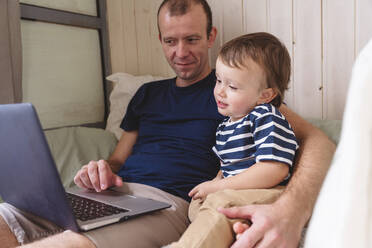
(192, 40)
(232, 87)
(218, 81)
(169, 42)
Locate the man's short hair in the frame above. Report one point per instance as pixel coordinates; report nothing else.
(268, 52)
(181, 7)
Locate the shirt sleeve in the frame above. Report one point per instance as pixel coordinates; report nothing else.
(274, 139)
(131, 118)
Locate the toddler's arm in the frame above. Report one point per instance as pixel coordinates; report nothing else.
(261, 175)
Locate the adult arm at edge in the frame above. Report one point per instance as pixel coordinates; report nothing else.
(311, 165)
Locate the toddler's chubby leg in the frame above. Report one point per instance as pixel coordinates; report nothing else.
(194, 208)
(210, 228)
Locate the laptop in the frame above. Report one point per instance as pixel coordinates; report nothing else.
(29, 179)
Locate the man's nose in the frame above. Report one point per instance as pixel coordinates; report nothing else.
(182, 50)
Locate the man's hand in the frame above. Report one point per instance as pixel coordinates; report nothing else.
(97, 175)
(201, 191)
(272, 226)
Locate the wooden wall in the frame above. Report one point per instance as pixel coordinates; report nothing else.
(323, 38)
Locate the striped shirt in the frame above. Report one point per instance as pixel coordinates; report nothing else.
(262, 135)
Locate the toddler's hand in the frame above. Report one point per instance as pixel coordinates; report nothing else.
(201, 191)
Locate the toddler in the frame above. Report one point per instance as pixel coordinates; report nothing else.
(255, 143)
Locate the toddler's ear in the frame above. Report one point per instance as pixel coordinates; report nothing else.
(267, 95)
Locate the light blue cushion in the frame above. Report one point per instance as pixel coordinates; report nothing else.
(332, 128)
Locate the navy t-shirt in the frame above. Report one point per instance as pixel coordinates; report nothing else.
(176, 132)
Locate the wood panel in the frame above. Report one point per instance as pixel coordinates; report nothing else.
(115, 22)
(232, 19)
(122, 31)
(144, 30)
(255, 16)
(322, 36)
(217, 20)
(159, 63)
(338, 46)
(228, 26)
(129, 33)
(307, 58)
(279, 23)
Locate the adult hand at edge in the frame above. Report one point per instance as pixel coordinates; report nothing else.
(97, 175)
(272, 226)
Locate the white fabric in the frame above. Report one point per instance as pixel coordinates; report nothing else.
(125, 86)
(343, 212)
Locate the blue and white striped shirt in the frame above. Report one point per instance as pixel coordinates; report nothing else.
(262, 135)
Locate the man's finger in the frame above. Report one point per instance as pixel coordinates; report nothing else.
(118, 181)
(237, 212)
(78, 182)
(77, 178)
(238, 236)
(85, 179)
(93, 175)
(105, 173)
(268, 241)
(249, 238)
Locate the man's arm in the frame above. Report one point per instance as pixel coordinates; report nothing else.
(280, 224)
(312, 163)
(122, 150)
(100, 175)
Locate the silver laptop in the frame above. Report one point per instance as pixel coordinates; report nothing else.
(30, 181)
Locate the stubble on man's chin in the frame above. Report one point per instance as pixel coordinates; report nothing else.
(187, 79)
(189, 75)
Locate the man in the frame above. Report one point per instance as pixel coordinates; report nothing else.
(186, 34)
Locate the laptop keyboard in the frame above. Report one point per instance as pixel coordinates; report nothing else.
(85, 209)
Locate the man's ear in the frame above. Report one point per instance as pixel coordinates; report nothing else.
(267, 95)
(212, 37)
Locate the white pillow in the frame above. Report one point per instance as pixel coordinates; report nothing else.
(125, 86)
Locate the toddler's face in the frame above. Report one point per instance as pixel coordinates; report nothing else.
(238, 91)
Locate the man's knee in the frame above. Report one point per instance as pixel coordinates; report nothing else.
(66, 239)
(7, 238)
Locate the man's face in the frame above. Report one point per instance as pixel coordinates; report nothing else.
(185, 43)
